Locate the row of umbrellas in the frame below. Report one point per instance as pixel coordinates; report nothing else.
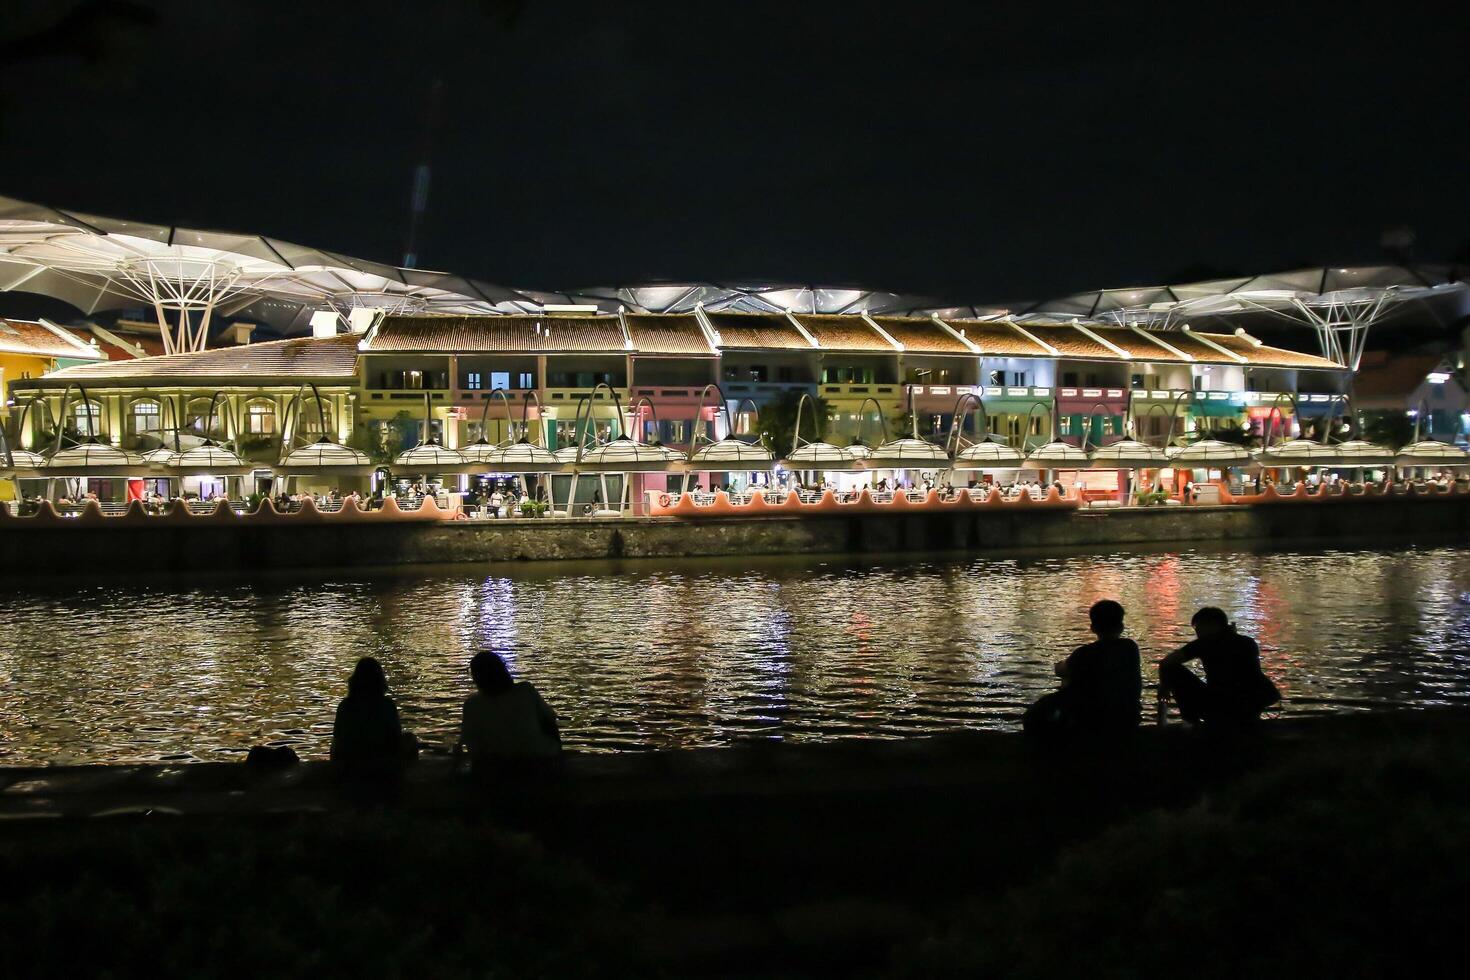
(97, 458)
(624, 455)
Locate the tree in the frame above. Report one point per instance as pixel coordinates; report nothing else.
(777, 425)
(1391, 429)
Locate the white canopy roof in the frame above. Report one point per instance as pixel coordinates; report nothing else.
(518, 457)
(162, 456)
(429, 457)
(1359, 452)
(1128, 454)
(1056, 456)
(623, 455)
(907, 451)
(1211, 452)
(1299, 452)
(325, 454)
(93, 459)
(822, 456)
(24, 459)
(988, 455)
(734, 453)
(1429, 452)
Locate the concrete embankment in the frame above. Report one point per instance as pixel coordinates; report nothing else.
(175, 546)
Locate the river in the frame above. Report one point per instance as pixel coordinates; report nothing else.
(654, 655)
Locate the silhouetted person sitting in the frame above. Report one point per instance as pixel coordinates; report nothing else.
(1234, 689)
(507, 725)
(366, 736)
(1101, 683)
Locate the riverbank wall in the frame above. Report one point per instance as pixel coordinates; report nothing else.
(210, 545)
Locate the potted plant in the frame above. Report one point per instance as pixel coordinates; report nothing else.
(528, 508)
(541, 508)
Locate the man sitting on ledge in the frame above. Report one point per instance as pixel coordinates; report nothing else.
(1234, 689)
(1101, 683)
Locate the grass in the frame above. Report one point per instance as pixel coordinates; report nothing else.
(322, 896)
(1333, 864)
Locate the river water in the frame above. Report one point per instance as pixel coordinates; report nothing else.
(651, 655)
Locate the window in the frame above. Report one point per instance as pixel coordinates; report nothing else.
(316, 421)
(500, 380)
(758, 373)
(147, 418)
(472, 381)
(198, 418)
(260, 418)
(525, 380)
(1019, 379)
(1092, 379)
(786, 374)
(1136, 381)
(1069, 379)
(86, 418)
(997, 378)
(1065, 424)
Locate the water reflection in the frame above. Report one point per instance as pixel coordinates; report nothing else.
(697, 653)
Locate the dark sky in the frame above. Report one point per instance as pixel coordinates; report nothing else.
(965, 151)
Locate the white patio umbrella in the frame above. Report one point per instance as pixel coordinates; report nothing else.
(429, 458)
(1360, 452)
(733, 454)
(1055, 456)
(1430, 452)
(823, 457)
(906, 452)
(162, 456)
(94, 458)
(27, 464)
(1127, 454)
(1211, 453)
(989, 456)
(1299, 452)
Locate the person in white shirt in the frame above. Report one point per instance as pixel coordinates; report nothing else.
(506, 723)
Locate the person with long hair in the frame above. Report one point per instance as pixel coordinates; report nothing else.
(505, 722)
(366, 733)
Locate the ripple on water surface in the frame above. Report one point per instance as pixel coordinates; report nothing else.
(658, 655)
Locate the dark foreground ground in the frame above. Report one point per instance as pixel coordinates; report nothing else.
(1336, 846)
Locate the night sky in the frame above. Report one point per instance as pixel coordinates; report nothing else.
(962, 151)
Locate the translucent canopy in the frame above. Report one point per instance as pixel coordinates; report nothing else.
(1359, 452)
(162, 456)
(568, 454)
(209, 459)
(1212, 452)
(988, 456)
(1128, 454)
(1432, 453)
(99, 263)
(429, 457)
(93, 459)
(325, 455)
(1299, 452)
(24, 459)
(1056, 456)
(479, 450)
(733, 452)
(519, 457)
(623, 455)
(859, 450)
(822, 456)
(906, 452)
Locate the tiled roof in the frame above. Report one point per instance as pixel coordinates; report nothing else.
(921, 335)
(997, 339)
(495, 334)
(1071, 343)
(1141, 348)
(38, 340)
(1267, 356)
(844, 331)
(674, 333)
(304, 358)
(757, 330)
